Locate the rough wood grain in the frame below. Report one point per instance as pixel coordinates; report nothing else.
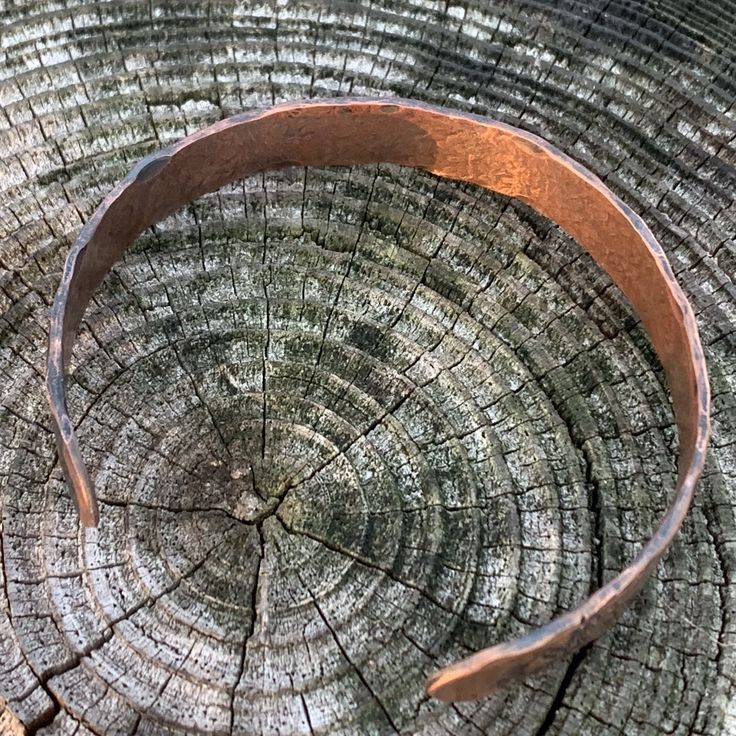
(348, 424)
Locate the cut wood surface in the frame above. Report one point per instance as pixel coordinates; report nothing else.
(351, 424)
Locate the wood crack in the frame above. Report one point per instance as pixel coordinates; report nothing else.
(355, 668)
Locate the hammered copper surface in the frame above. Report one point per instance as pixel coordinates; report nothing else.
(450, 144)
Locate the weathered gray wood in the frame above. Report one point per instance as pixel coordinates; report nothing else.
(349, 424)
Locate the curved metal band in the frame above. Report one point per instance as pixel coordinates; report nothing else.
(450, 144)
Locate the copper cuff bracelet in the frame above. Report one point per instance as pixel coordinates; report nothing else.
(471, 148)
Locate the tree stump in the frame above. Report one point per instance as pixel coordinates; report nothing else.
(349, 425)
